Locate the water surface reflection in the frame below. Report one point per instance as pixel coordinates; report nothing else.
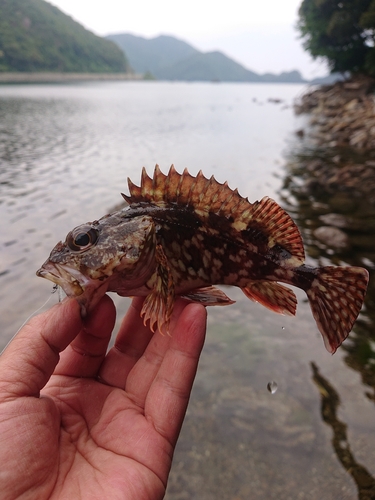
(331, 195)
(336, 191)
(330, 402)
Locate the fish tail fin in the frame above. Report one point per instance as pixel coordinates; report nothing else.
(336, 296)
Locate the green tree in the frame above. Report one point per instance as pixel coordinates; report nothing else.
(36, 36)
(342, 32)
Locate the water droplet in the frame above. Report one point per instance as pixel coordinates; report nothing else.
(272, 387)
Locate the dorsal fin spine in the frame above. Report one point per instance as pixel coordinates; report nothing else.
(208, 195)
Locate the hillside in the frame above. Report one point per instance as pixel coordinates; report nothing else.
(214, 66)
(168, 58)
(36, 36)
(152, 55)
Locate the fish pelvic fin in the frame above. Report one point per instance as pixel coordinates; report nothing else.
(208, 296)
(158, 305)
(274, 296)
(336, 297)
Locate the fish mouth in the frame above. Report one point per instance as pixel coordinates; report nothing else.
(86, 291)
(70, 280)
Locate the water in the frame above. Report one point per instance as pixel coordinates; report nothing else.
(272, 387)
(65, 154)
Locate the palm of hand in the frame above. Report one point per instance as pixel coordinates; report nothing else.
(106, 425)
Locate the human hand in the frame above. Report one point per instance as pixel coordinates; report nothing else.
(86, 424)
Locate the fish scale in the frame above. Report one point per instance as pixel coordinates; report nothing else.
(181, 235)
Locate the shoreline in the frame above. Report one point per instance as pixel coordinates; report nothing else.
(342, 114)
(50, 77)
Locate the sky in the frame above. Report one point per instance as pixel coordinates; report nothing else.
(259, 34)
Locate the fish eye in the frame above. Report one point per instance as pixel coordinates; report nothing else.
(82, 238)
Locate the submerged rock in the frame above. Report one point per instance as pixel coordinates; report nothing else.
(332, 237)
(336, 220)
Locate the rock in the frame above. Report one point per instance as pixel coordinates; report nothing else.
(336, 220)
(342, 113)
(341, 202)
(359, 138)
(346, 222)
(275, 100)
(351, 105)
(300, 133)
(332, 237)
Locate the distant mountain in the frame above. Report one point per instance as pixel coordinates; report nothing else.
(214, 66)
(286, 76)
(152, 55)
(329, 79)
(168, 58)
(36, 36)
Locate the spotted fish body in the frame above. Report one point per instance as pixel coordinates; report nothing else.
(180, 235)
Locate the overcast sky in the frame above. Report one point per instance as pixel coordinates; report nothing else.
(259, 34)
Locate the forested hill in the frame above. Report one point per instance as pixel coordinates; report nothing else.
(36, 36)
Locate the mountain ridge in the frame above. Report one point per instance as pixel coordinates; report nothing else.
(169, 58)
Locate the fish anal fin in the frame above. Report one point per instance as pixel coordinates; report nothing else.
(209, 296)
(158, 305)
(272, 295)
(336, 297)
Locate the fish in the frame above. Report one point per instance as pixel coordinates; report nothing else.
(181, 235)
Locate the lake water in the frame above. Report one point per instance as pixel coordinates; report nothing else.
(65, 154)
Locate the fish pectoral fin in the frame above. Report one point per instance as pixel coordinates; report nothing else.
(158, 305)
(272, 295)
(209, 296)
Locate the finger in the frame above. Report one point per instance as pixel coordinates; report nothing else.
(131, 341)
(83, 357)
(28, 362)
(144, 372)
(169, 394)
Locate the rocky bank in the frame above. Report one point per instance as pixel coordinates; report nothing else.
(342, 114)
(331, 172)
(340, 137)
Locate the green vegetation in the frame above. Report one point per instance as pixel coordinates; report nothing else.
(342, 32)
(36, 36)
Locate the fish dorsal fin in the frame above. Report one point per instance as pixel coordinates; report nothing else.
(200, 193)
(277, 224)
(210, 196)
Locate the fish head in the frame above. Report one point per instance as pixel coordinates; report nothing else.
(96, 254)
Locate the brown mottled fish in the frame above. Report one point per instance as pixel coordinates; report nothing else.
(180, 235)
